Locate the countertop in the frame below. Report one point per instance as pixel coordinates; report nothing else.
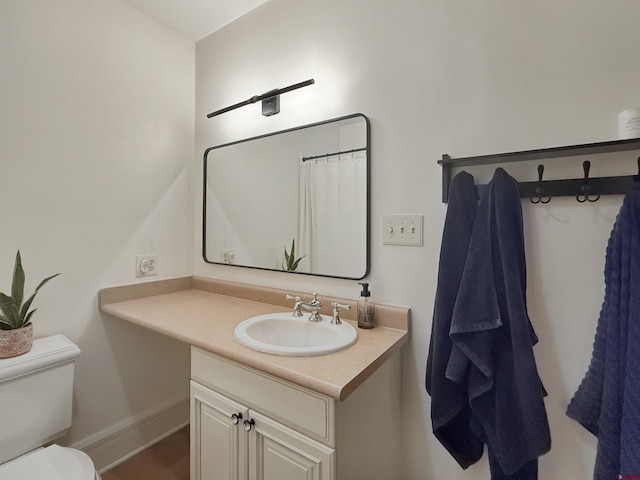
(204, 312)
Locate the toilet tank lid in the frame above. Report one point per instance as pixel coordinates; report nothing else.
(46, 352)
(50, 463)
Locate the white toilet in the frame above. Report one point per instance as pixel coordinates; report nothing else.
(36, 398)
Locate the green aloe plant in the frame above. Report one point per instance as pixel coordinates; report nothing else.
(290, 258)
(14, 311)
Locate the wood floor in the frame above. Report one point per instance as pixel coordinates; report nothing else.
(166, 460)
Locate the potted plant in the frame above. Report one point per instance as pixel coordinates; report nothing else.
(290, 258)
(16, 329)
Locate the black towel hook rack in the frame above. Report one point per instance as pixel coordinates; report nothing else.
(615, 185)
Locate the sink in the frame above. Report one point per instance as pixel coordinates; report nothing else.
(284, 334)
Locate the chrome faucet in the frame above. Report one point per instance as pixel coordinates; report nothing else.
(313, 306)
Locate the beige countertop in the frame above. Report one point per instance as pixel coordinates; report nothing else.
(204, 312)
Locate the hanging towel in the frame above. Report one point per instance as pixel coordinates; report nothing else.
(494, 338)
(450, 411)
(607, 402)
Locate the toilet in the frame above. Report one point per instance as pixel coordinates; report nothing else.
(36, 397)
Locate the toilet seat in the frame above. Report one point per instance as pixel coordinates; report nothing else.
(50, 463)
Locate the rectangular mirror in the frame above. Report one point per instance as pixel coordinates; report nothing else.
(306, 186)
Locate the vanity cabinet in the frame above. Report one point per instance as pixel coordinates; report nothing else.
(231, 441)
(246, 424)
(335, 416)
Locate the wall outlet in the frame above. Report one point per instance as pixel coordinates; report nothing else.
(402, 230)
(227, 255)
(146, 265)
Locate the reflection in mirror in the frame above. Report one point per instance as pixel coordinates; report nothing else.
(295, 200)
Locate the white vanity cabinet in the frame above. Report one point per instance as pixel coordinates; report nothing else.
(231, 441)
(246, 424)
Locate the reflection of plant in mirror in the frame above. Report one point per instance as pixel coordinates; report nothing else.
(290, 258)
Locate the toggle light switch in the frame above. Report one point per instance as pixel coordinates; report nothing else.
(402, 230)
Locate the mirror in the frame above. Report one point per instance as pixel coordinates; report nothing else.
(306, 187)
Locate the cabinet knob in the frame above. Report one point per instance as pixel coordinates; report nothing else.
(235, 418)
(248, 424)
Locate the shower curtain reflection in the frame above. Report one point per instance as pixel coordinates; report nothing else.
(330, 229)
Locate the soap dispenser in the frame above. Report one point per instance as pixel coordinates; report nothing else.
(366, 308)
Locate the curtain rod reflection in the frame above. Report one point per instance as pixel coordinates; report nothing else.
(304, 159)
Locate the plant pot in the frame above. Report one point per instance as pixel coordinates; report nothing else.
(16, 342)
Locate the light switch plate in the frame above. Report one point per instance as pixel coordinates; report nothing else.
(402, 230)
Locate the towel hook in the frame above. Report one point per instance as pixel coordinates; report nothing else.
(540, 196)
(585, 194)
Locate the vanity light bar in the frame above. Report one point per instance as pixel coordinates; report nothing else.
(265, 96)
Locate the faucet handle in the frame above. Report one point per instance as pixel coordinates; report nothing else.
(296, 307)
(336, 315)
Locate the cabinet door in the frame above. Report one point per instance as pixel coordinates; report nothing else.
(218, 441)
(277, 452)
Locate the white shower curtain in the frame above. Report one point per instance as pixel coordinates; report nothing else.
(332, 214)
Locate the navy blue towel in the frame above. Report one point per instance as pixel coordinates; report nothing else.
(490, 327)
(607, 403)
(450, 410)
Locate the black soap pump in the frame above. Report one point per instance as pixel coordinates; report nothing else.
(366, 308)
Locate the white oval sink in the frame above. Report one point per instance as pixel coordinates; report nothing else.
(284, 334)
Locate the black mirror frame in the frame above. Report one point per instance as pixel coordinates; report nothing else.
(368, 197)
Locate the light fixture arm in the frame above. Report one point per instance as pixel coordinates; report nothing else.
(265, 96)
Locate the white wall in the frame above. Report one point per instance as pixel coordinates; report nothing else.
(463, 77)
(96, 143)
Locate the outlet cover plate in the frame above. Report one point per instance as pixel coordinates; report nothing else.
(146, 265)
(227, 255)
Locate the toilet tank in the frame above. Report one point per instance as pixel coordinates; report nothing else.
(36, 395)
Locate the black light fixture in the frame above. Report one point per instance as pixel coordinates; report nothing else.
(271, 105)
(270, 100)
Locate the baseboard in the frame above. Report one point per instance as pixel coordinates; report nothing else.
(122, 441)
